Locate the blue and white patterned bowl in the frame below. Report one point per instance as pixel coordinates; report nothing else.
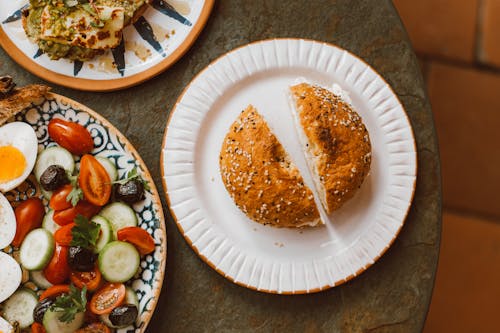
(110, 143)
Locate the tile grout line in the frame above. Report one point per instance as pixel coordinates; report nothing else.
(478, 44)
(479, 67)
(471, 214)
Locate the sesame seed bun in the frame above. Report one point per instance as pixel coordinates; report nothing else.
(261, 178)
(335, 141)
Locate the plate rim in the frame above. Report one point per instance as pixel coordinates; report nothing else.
(156, 195)
(205, 259)
(107, 85)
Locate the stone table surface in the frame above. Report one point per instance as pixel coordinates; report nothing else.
(393, 295)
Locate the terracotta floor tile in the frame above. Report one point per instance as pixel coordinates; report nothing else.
(466, 107)
(490, 33)
(467, 291)
(445, 28)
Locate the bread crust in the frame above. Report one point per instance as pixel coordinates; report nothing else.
(139, 12)
(260, 176)
(338, 143)
(21, 98)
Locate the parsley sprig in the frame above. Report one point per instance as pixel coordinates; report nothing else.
(71, 3)
(85, 233)
(133, 175)
(89, 7)
(70, 304)
(76, 193)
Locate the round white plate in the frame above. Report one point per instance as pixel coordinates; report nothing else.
(262, 257)
(157, 40)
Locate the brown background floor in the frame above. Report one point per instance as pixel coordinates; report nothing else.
(458, 44)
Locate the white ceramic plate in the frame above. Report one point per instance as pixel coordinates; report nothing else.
(159, 38)
(262, 257)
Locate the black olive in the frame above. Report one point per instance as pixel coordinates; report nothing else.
(81, 259)
(130, 192)
(41, 308)
(123, 315)
(53, 177)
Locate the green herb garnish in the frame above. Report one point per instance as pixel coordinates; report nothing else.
(70, 304)
(71, 3)
(98, 24)
(76, 193)
(85, 232)
(133, 175)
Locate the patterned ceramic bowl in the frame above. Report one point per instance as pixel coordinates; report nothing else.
(109, 143)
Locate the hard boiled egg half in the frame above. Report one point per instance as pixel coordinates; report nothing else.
(10, 271)
(5, 327)
(18, 151)
(7, 222)
(10, 276)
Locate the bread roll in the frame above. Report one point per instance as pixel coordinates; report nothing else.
(261, 178)
(19, 99)
(335, 141)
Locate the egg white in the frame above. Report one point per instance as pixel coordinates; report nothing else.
(5, 327)
(10, 276)
(7, 222)
(21, 136)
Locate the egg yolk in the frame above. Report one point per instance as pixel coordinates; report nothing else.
(12, 163)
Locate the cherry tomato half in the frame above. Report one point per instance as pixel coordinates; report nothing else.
(94, 328)
(63, 235)
(59, 200)
(107, 298)
(57, 271)
(138, 237)
(85, 208)
(94, 181)
(91, 279)
(37, 328)
(55, 291)
(72, 136)
(29, 215)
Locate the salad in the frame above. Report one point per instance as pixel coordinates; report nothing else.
(81, 253)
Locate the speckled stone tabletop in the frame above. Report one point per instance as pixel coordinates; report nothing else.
(391, 296)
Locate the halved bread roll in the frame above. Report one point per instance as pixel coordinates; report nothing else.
(261, 178)
(335, 141)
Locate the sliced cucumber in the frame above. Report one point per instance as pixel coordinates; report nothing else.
(39, 279)
(109, 166)
(120, 215)
(130, 298)
(46, 194)
(52, 324)
(119, 261)
(36, 249)
(19, 307)
(54, 156)
(48, 222)
(106, 233)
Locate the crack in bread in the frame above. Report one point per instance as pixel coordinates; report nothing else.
(261, 178)
(335, 141)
